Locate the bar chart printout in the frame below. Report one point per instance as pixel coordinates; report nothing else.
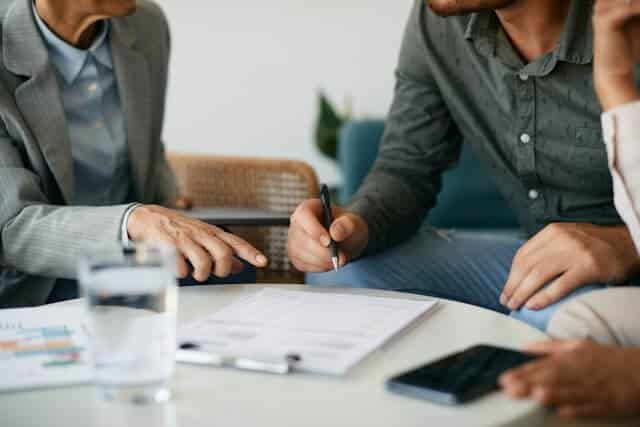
(43, 356)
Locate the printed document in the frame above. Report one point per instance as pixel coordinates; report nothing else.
(43, 347)
(330, 332)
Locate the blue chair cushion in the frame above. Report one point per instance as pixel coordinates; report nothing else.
(469, 198)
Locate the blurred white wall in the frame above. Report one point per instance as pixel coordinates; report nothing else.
(245, 72)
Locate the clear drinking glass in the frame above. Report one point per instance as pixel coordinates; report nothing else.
(131, 296)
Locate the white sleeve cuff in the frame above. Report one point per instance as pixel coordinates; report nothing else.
(124, 234)
(621, 133)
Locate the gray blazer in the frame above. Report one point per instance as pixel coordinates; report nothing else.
(41, 235)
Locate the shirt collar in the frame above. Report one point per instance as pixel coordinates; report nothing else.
(575, 44)
(70, 60)
(482, 29)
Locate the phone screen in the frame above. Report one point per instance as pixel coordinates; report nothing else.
(460, 377)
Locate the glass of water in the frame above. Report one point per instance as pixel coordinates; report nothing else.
(131, 296)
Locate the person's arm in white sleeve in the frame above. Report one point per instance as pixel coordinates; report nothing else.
(621, 130)
(616, 54)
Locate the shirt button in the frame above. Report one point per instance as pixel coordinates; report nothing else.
(523, 77)
(534, 194)
(525, 138)
(93, 87)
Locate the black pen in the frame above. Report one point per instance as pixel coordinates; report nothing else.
(328, 220)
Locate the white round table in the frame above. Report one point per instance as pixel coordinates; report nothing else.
(218, 397)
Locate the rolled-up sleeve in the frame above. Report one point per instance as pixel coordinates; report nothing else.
(420, 142)
(621, 130)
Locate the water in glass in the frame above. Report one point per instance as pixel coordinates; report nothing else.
(131, 301)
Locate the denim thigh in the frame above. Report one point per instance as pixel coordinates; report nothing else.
(470, 267)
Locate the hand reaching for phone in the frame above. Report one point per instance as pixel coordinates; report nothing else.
(580, 379)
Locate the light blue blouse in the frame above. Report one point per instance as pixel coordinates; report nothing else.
(95, 119)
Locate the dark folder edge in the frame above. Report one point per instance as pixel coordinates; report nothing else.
(239, 216)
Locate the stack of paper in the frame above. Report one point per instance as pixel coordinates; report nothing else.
(330, 332)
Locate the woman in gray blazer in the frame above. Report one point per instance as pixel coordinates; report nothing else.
(82, 94)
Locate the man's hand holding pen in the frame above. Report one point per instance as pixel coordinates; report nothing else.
(309, 240)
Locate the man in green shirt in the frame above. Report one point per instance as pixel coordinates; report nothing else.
(513, 78)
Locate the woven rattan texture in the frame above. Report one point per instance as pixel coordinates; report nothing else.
(272, 184)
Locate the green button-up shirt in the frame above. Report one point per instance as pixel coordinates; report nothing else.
(535, 126)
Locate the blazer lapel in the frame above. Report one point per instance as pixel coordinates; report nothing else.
(132, 73)
(38, 98)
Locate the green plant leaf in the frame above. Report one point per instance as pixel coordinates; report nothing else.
(328, 127)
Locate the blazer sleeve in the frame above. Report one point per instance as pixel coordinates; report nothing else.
(621, 130)
(37, 237)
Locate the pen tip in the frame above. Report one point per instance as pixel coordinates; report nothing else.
(334, 260)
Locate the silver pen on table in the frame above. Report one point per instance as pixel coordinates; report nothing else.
(191, 353)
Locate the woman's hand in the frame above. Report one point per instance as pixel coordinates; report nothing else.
(208, 249)
(616, 26)
(580, 379)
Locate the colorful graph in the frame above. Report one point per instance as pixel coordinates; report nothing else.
(53, 345)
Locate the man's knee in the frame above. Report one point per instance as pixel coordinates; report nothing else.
(537, 318)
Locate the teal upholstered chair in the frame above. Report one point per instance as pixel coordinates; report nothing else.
(469, 198)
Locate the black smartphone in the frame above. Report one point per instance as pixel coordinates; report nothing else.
(460, 377)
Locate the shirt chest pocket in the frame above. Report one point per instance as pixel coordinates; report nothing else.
(587, 177)
(589, 152)
(589, 137)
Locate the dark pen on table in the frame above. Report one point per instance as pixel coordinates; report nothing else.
(328, 220)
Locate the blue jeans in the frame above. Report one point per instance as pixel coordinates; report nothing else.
(470, 267)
